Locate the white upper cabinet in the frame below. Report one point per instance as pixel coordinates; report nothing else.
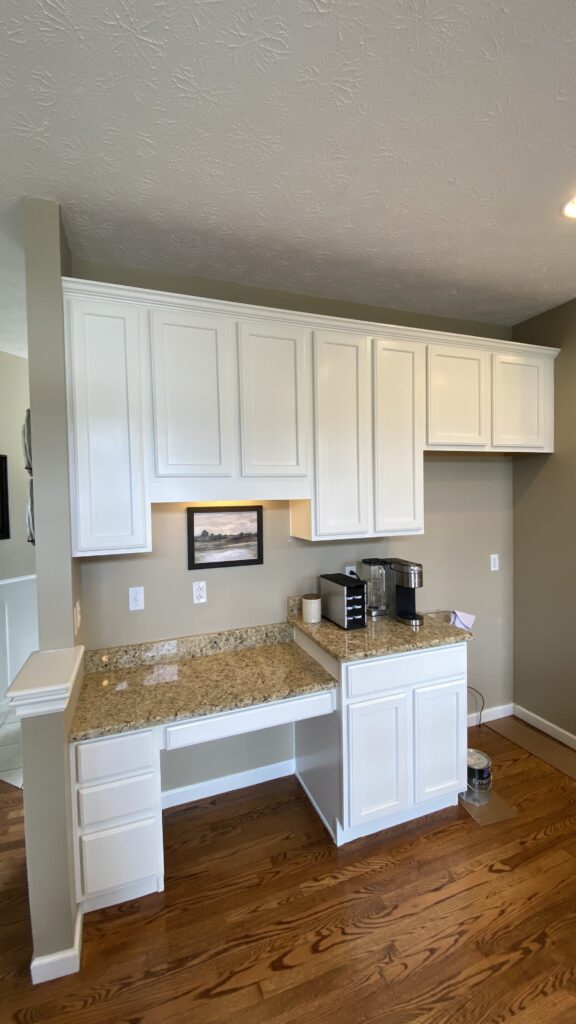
(458, 396)
(522, 413)
(274, 398)
(194, 390)
(174, 398)
(399, 435)
(343, 433)
(110, 512)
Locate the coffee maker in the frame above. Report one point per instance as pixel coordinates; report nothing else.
(402, 580)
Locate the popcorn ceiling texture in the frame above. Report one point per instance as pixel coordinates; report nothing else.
(405, 153)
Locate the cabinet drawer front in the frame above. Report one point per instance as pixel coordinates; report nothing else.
(118, 856)
(119, 755)
(116, 799)
(376, 675)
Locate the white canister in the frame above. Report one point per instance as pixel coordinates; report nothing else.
(311, 608)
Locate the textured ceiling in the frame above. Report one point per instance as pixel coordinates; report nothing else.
(406, 153)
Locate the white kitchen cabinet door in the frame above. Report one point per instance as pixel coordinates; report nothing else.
(522, 401)
(458, 397)
(439, 740)
(195, 398)
(379, 750)
(274, 399)
(110, 512)
(343, 418)
(399, 436)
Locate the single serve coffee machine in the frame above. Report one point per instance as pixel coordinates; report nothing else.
(402, 579)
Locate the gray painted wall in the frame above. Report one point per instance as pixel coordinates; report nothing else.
(544, 547)
(16, 555)
(47, 258)
(468, 501)
(47, 806)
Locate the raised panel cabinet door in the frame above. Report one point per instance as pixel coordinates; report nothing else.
(440, 736)
(110, 512)
(399, 436)
(522, 389)
(458, 396)
(274, 399)
(195, 399)
(378, 752)
(343, 417)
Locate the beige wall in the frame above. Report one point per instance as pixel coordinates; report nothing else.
(47, 258)
(16, 554)
(544, 543)
(468, 501)
(184, 284)
(47, 804)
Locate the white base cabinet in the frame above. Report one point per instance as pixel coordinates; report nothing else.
(117, 818)
(401, 742)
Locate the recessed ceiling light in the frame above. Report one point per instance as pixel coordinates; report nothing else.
(569, 208)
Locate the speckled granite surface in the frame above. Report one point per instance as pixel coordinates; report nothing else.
(380, 637)
(110, 659)
(133, 698)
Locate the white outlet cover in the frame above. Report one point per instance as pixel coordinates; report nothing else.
(136, 599)
(494, 563)
(199, 595)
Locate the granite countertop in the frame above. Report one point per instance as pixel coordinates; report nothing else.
(380, 637)
(134, 698)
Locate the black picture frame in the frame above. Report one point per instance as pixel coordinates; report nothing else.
(4, 507)
(211, 536)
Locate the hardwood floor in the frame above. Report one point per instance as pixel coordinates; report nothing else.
(263, 920)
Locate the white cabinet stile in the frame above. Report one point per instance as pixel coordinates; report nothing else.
(274, 399)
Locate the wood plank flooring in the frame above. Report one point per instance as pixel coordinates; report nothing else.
(264, 921)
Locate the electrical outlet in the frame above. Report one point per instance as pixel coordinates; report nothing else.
(199, 595)
(77, 617)
(494, 563)
(350, 569)
(136, 599)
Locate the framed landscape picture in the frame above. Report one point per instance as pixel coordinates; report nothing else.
(4, 516)
(222, 537)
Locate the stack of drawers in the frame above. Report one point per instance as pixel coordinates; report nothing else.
(118, 818)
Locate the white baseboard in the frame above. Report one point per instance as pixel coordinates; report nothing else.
(568, 738)
(491, 714)
(226, 783)
(56, 965)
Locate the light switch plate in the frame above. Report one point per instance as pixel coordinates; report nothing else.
(494, 563)
(136, 599)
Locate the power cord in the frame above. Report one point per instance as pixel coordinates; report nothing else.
(481, 695)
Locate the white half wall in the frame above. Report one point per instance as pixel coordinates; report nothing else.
(18, 626)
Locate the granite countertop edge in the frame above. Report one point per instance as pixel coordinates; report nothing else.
(381, 639)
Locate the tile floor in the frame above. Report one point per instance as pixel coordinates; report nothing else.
(10, 746)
